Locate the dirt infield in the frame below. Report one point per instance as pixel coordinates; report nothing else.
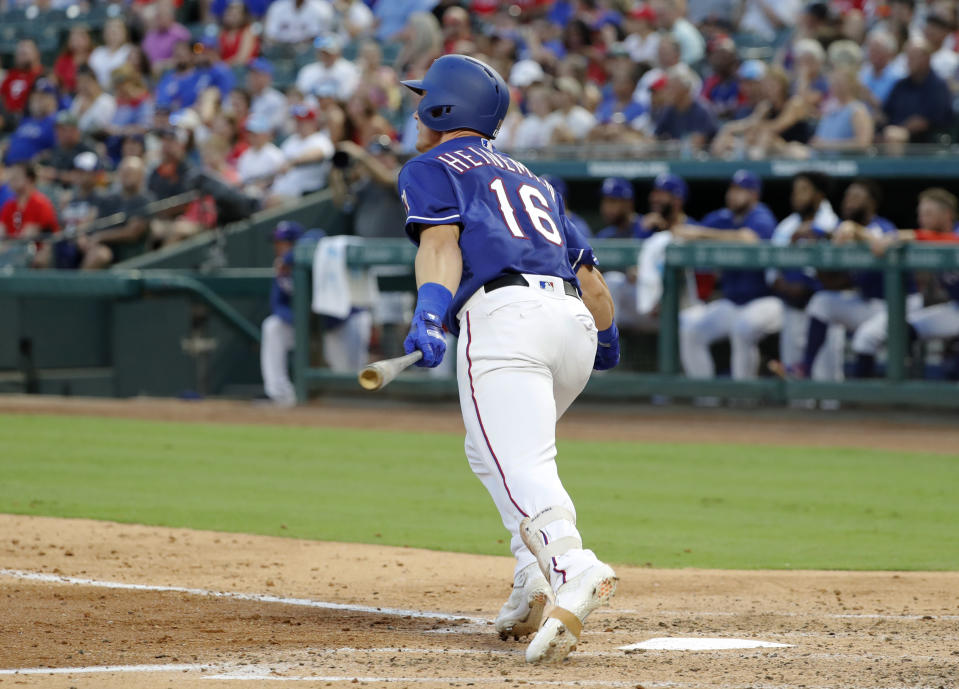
(117, 606)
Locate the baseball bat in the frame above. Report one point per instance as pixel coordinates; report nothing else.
(380, 373)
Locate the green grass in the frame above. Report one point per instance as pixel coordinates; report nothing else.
(725, 506)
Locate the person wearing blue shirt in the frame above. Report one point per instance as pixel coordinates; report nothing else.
(277, 334)
(618, 210)
(685, 117)
(177, 88)
(851, 300)
(747, 310)
(920, 104)
(210, 71)
(36, 132)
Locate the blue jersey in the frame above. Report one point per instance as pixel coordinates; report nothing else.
(512, 221)
(33, 136)
(742, 286)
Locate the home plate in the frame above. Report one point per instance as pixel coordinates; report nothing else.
(699, 644)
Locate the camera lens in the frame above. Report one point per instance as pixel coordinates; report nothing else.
(341, 159)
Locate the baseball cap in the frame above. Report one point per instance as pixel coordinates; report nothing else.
(44, 86)
(205, 43)
(303, 112)
(287, 231)
(752, 69)
(617, 188)
(329, 43)
(672, 184)
(746, 180)
(525, 72)
(258, 124)
(659, 83)
(65, 118)
(261, 64)
(87, 161)
(644, 12)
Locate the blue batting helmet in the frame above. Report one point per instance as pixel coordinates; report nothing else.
(460, 92)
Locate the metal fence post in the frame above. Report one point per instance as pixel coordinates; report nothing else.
(894, 283)
(301, 326)
(669, 320)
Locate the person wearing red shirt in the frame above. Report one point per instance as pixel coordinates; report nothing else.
(79, 47)
(238, 42)
(16, 85)
(30, 213)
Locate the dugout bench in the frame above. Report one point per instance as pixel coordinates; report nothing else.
(668, 381)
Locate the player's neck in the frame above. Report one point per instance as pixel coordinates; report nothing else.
(458, 134)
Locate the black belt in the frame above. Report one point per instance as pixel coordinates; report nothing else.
(517, 280)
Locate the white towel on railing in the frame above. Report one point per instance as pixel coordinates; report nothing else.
(650, 266)
(337, 288)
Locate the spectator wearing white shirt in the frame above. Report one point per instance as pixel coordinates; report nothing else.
(265, 101)
(306, 154)
(669, 17)
(944, 60)
(297, 21)
(765, 18)
(570, 122)
(93, 107)
(642, 40)
(330, 68)
(534, 131)
(113, 54)
(260, 163)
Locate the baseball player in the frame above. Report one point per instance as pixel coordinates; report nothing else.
(500, 265)
(812, 219)
(277, 334)
(937, 214)
(862, 297)
(747, 310)
(619, 212)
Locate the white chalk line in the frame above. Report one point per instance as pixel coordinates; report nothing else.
(830, 616)
(99, 669)
(256, 597)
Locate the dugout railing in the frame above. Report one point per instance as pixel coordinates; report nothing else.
(894, 388)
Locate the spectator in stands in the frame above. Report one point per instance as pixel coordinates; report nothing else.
(778, 120)
(35, 134)
(945, 62)
(355, 19)
(238, 105)
(330, 68)
(669, 18)
(377, 80)
(721, 88)
(79, 212)
(364, 122)
(881, 71)
(391, 17)
(767, 18)
(6, 193)
(176, 89)
(55, 166)
(810, 83)
(297, 21)
(174, 176)
(113, 54)
(534, 130)
(165, 33)
(812, 218)
(126, 236)
(215, 154)
(457, 33)
(901, 21)
(93, 107)
(751, 74)
(937, 213)
(265, 101)
(262, 161)
(685, 117)
(617, 208)
(18, 83)
(844, 53)
(570, 122)
(620, 117)
(30, 213)
(305, 154)
(642, 39)
(747, 309)
(214, 80)
(919, 105)
(422, 41)
(363, 183)
(846, 124)
(79, 46)
(238, 43)
(134, 113)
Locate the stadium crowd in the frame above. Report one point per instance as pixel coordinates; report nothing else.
(127, 126)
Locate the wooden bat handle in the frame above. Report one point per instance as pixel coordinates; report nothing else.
(379, 374)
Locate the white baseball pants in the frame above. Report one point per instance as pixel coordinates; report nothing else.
(277, 338)
(346, 348)
(702, 324)
(523, 356)
(792, 346)
(866, 318)
(941, 320)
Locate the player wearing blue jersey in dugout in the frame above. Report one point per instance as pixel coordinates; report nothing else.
(501, 266)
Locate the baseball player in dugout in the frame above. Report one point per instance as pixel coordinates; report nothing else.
(501, 266)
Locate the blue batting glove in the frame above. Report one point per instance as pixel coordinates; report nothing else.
(426, 330)
(607, 348)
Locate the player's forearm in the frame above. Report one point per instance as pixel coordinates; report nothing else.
(439, 258)
(596, 296)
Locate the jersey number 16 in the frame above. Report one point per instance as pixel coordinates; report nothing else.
(536, 207)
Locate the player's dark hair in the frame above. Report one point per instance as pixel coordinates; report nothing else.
(872, 188)
(820, 181)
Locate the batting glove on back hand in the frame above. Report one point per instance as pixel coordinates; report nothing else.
(426, 330)
(607, 348)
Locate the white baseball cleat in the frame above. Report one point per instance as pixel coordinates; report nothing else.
(522, 613)
(575, 600)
